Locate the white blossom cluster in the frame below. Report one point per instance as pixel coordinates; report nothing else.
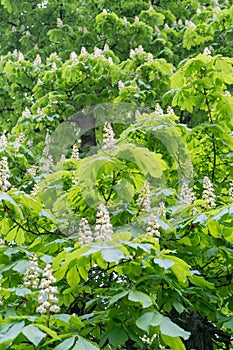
(31, 277)
(84, 233)
(189, 24)
(3, 141)
(158, 110)
(59, 23)
(150, 57)
(110, 61)
(106, 47)
(35, 190)
(4, 175)
(162, 209)
(108, 136)
(32, 170)
(152, 228)
(37, 60)
(18, 141)
(97, 52)
(103, 228)
(206, 51)
(186, 196)
(208, 193)
(121, 85)
(43, 4)
(48, 164)
(47, 299)
(143, 201)
(180, 22)
(231, 190)
(73, 57)
(26, 113)
(170, 110)
(75, 152)
(102, 231)
(83, 51)
(40, 111)
(19, 54)
(138, 49)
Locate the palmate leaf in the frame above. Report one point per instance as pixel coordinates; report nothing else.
(140, 297)
(148, 162)
(66, 344)
(10, 331)
(33, 334)
(166, 326)
(83, 344)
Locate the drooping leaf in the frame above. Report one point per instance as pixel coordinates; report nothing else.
(33, 334)
(140, 297)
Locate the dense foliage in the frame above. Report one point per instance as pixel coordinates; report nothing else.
(116, 178)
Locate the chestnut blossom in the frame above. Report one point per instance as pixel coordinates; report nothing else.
(32, 171)
(121, 85)
(35, 190)
(186, 196)
(108, 136)
(208, 193)
(37, 60)
(59, 23)
(206, 51)
(158, 110)
(162, 209)
(3, 141)
(47, 294)
(31, 277)
(73, 56)
(4, 175)
(152, 228)
(83, 51)
(26, 113)
(75, 152)
(103, 228)
(170, 110)
(143, 201)
(18, 141)
(84, 233)
(97, 52)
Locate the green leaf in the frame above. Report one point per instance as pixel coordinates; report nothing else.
(117, 297)
(174, 343)
(111, 254)
(165, 263)
(12, 332)
(83, 344)
(167, 327)
(49, 331)
(149, 319)
(72, 276)
(214, 228)
(117, 336)
(140, 297)
(66, 344)
(201, 282)
(33, 334)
